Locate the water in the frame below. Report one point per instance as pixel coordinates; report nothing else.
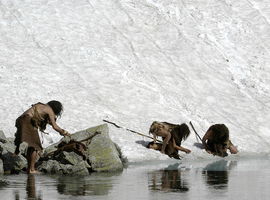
(133, 62)
(235, 177)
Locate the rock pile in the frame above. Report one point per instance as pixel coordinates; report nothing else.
(103, 155)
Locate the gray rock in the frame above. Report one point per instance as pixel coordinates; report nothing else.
(1, 167)
(56, 167)
(3, 183)
(103, 154)
(3, 138)
(11, 164)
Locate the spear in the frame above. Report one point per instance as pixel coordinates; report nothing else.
(129, 130)
(195, 130)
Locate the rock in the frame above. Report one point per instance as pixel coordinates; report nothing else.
(3, 183)
(55, 167)
(3, 138)
(1, 167)
(103, 155)
(12, 164)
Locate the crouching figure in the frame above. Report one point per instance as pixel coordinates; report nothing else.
(172, 135)
(216, 141)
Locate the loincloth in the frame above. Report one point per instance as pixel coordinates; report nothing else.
(26, 132)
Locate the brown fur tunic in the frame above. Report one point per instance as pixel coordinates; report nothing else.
(220, 139)
(26, 132)
(178, 133)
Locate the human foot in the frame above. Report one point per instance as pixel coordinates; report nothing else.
(33, 172)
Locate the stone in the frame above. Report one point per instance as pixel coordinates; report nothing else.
(11, 164)
(3, 138)
(1, 167)
(104, 155)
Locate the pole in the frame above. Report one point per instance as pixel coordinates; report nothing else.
(195, 131)
(129, 130)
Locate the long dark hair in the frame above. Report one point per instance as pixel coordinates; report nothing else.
(220, 138)
(180, 133)
(57, 107)
(184, 131)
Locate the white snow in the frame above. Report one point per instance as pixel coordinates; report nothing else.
(133, 62)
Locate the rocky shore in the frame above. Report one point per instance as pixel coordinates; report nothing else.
(102, 155)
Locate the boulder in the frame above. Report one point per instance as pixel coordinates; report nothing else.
(56, 167)
(102, 152)
(12, 164)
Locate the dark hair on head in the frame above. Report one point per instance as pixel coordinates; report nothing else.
(184, 130)
(220, 138)
(56, 106)
(221, 133)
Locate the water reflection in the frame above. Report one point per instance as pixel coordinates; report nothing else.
(217, 173)
(167, 180)
(95, 184)
(35, 186)
(31, 188)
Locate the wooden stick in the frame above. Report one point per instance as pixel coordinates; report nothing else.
(130, 130)
(195, 130)
(88, 138)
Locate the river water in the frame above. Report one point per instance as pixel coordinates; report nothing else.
(217, 178)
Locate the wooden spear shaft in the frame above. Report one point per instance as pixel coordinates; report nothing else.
(129, 130)
(195, 130)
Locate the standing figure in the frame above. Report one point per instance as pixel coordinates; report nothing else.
(36, 117)
(216, 140)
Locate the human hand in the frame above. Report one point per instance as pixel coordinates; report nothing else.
(69, 135)
(187, 151)
(208, 151)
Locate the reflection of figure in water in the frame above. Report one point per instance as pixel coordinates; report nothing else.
(31, 188)
(217, 137)
(217, 174)
(168, 181)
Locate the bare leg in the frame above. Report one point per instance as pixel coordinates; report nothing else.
(31, 159)
(232, 148)
(167, 136)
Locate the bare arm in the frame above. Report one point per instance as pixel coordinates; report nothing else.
(205, 137)
(48, 110)
(180, 147)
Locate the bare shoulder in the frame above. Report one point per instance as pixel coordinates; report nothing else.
(44, 108)
(208, 135)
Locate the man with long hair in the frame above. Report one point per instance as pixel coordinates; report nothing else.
(36, 118)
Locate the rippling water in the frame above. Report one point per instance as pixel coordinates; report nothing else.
(245, 178)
